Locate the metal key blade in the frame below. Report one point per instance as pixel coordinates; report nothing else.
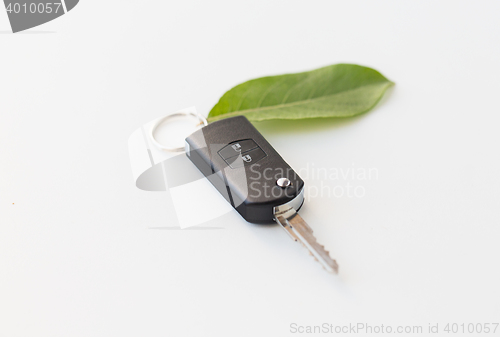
(300, 231)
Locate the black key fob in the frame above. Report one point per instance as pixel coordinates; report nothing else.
(245, 168)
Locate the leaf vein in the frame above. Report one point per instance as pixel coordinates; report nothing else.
(277, 106)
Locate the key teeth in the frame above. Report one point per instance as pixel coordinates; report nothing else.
(336, 267)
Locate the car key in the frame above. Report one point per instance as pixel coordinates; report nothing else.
(254, 179)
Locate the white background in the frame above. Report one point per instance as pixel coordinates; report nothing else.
(80, 249)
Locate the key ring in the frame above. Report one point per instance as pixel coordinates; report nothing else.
(159, 121)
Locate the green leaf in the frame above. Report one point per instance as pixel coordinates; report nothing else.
(339, 90)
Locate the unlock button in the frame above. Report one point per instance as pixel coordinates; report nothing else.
(247, 158)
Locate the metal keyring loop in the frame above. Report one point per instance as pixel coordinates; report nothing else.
(163, 119)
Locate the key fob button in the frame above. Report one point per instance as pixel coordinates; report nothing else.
(246, 158)
(236, 148)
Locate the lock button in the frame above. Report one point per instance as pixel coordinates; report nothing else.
(236, 148)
